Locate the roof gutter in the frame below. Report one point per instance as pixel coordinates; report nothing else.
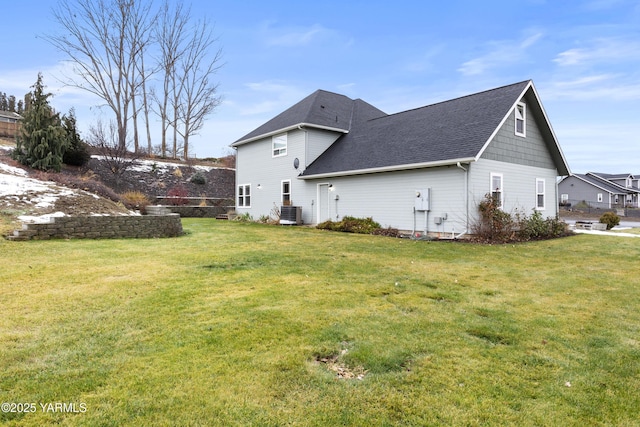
(450, 162)
(287, 129)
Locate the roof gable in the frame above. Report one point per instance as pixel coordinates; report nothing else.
(321, 109)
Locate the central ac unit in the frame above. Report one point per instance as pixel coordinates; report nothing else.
(291, 215)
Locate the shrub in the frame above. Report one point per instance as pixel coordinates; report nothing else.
(497, 226)
(198, 178)
(178, 195)
(328, 225)
(350, 224)
(359, 225)
(389, 232)
(611, 219)
(535, 227)
(135, 200)
(245, 217)
(494, 225)
(77, 155)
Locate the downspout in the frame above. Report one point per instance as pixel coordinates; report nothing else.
(466, 200)
(557, 200)
(306, 146)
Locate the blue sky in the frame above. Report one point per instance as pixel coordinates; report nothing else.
(583, 56)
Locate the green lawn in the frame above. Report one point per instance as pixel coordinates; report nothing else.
(247, 324)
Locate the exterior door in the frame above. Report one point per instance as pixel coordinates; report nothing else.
(323, 203)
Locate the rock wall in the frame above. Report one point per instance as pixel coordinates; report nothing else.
(199, 211)
(102, 227)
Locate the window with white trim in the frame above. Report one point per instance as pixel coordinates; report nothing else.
(540, 193)
(564, 199)
(279, 145)
(496, 188)
(286, 193)
(244, 196)
(521, 119)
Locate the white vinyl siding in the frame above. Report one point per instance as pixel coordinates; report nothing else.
(517, 192)
(540, 194)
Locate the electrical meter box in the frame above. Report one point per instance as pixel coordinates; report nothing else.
(422, 199)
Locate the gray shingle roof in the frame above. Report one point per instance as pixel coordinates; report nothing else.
(321, 108)
(10, 115)
(603, 183)
(442, 133)
(455, 129)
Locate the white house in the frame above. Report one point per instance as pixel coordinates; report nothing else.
(424, 169)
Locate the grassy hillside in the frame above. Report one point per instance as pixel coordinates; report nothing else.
(246, 324)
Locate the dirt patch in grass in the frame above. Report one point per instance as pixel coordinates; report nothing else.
(333, 364)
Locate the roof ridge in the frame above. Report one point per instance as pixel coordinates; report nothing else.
(456, 99)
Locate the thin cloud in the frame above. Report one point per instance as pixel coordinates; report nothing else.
(269, 97)
(296, 36)
(603, 4)
(501, 53)
(602, 50)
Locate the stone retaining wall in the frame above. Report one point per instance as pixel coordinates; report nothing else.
(198, 211)
(102, 227)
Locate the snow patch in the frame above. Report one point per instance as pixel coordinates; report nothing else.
(42, 219)
(12, 170)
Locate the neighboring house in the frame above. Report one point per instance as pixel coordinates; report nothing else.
(600, 190)
(424, 169)
(9, 124)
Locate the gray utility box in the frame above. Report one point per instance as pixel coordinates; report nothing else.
(291, 215)
(422, 200)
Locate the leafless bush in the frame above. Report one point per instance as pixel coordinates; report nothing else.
(104, 140)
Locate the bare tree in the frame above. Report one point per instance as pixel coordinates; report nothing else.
(145, 106)
(139, 34)
(171, 28)
(97, 38)
(110, 42)
(198, 95)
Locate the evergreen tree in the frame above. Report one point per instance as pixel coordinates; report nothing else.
(11, 104)
(42, 140)
(77, 153)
